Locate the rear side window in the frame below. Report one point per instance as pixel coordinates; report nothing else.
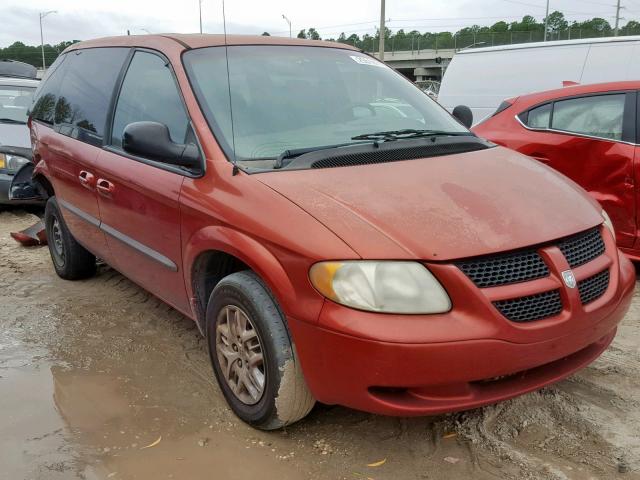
(596, 116)
(539, 117)
(149, 93)
(46, 96)
(89, 79)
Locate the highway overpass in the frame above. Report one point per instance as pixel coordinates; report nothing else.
(419, 65)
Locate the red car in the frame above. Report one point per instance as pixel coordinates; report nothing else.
(590, 133)
(335, 234)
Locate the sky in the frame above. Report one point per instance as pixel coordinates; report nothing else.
(85, 19)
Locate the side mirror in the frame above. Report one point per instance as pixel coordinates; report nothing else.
(152, 140)
(464, 115)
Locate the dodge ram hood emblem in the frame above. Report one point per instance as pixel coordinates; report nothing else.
(569, 279)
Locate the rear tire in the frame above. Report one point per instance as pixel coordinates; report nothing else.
(71, 260)
(252, 355)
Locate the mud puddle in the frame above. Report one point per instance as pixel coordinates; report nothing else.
(100, 380)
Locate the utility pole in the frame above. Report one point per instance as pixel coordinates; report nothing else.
(42, 15)
(615, 30)
(289, 22)
(381, 45)
(200, 10)
(546, 22)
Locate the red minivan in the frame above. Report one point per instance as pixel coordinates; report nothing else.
(335, 234)
(589, 133)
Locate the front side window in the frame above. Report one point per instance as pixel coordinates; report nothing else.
(277, 98)
(149, 93)
(14, 103)
(596, 116)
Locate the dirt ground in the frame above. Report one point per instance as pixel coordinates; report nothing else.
(100, 380)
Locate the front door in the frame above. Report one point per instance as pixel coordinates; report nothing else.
(139, 197)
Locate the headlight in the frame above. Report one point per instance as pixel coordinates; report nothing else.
(608, 223)
(13, 163)
(386, 286)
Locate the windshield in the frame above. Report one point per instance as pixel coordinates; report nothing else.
(14, 103)
(283, 98)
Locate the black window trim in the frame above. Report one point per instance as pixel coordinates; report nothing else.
(630, 119)
(106, 145)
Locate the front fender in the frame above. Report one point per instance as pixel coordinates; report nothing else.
(299, 302)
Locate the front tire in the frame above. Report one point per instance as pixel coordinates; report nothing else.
(71, 260)
(252, 355)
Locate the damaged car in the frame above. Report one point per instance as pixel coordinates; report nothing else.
(396, 264)
(17, 87)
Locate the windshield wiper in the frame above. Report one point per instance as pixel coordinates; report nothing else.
(281, 161)
(407, 133)
(11, 120)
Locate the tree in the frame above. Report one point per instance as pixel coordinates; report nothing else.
(313, 34)
(557, 22)
(631, 28)
(500, 27)
(598, 25)
(266, 34)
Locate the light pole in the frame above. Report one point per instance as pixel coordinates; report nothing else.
(200, 10)
(382, 32)
(615, 30)
(546, 22)
(42, 15)
(289, 22)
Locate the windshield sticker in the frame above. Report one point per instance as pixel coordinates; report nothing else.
(366, 61)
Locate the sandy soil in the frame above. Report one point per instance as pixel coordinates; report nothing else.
(93, 372)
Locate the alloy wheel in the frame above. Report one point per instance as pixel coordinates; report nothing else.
(240, 355)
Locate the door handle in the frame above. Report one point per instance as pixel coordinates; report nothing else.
(105, 187)
(87, 180)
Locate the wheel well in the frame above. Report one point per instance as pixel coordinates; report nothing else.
(44, 186)
(208, 269)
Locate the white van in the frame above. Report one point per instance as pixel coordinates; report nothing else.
(481, 78)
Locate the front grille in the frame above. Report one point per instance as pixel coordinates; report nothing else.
(532, 307)
(583, 247)
(504, 269)
(593, 287)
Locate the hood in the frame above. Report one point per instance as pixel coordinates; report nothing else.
(15, 135)
(441, 208)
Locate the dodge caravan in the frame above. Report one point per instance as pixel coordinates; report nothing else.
(330, 245)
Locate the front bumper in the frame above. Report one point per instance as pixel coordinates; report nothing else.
(472, 356)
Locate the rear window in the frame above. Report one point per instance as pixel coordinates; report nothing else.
(46, 95)
(14, 103)
(76, 97)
